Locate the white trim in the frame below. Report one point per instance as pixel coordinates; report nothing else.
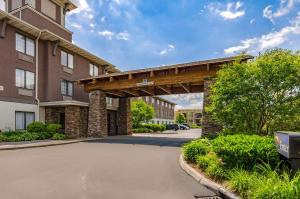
(65, 103)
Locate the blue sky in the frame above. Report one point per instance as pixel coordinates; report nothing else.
(133, 34)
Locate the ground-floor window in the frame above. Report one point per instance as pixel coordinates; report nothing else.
(23, 119)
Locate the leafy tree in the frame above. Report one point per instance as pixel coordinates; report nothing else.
(141, 113)
(260, 96)
(180, 119)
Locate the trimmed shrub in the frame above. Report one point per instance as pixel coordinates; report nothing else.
(44, 135)
(155, 127)
(36, 127)
(142, 130)
(53, 128)
(204, 161)
(18, 137)
(59, 136)
(246, 150)
(195, 148)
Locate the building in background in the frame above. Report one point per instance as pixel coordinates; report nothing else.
(164, 109)
(192, 116)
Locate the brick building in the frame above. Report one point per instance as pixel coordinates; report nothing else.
(39, 67)
(164, 109)
(192, 116)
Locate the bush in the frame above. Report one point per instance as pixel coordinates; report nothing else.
(195, 148)
(204, 161)
(18, 137)
(155, 127)
(142, 130)
(59, 136)
(265, 183)
(195, 126)
(217, 172)
(246, 150)
(44, 135)
(36, 127)
(53, 128)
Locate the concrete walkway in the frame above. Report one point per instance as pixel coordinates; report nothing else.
(113, 168)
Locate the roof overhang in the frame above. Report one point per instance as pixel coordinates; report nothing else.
(47, 35)
(64, 103)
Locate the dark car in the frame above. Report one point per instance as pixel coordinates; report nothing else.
(183, 127)
(174, 127)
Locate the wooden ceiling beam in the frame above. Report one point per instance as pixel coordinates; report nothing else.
(131, 92)
(116, 93)
(165, 89)
(147, 91)
(186, 88)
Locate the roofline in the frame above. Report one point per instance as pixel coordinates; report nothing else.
(172, 66)
(48, 35)
(162, 99)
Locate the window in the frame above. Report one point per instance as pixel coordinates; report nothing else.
(153, 100)
(3, 5)
(25, 45)
(49, 8)
(94, 70)
(23, 119)
(66, 88)
(25, 79)
(15, 4)
(30, 3)
(109, 101)
(67, 60)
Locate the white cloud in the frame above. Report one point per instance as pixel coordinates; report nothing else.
(112, 35)
(92, 25)
(285, 7)
(83, 6)
(103, 19)
(270, 40)
(107, 34)
(231, 10)
(123, 36)
(167, 50)
(252, 21)
(188, 101)
(75, 25)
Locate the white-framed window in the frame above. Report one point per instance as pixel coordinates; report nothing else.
(25, 79)
(67, 59)
(30, 3)
(15, 4)
(25, 45)
(49, 8)
(3, 5)
(109, 101)
(23, 119)
(94, 70)
(67, 88)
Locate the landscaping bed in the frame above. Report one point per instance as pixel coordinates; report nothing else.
(149, 128)
(246, 164)
(35, 131)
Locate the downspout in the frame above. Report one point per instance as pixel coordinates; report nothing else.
(37, 74)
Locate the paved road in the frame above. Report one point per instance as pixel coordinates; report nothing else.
(134, 167)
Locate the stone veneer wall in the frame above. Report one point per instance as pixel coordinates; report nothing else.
(210, 128)
(72, 121)
(113, 122)
(124, 117)
(84, 117)
(52, 114)
(97, 115)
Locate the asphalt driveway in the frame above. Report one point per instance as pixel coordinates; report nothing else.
(137, 167)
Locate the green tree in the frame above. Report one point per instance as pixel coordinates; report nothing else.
(260, 96)
(180, 119)
(141, 112)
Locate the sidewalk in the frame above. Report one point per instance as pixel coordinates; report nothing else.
(42, 143)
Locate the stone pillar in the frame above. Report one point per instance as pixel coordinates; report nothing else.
(97, 125)
(210, 128)
(124, 117)
(72, 121)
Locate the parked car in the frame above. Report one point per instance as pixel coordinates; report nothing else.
(174, 127)
(183, 127)
(186, 124)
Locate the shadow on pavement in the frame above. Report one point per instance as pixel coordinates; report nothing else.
(143, 140)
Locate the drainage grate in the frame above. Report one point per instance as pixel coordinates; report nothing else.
(206, 197)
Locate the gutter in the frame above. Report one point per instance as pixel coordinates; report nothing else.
(37, 74)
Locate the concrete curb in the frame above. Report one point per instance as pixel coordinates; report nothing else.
(45, 144)
(220, 190)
